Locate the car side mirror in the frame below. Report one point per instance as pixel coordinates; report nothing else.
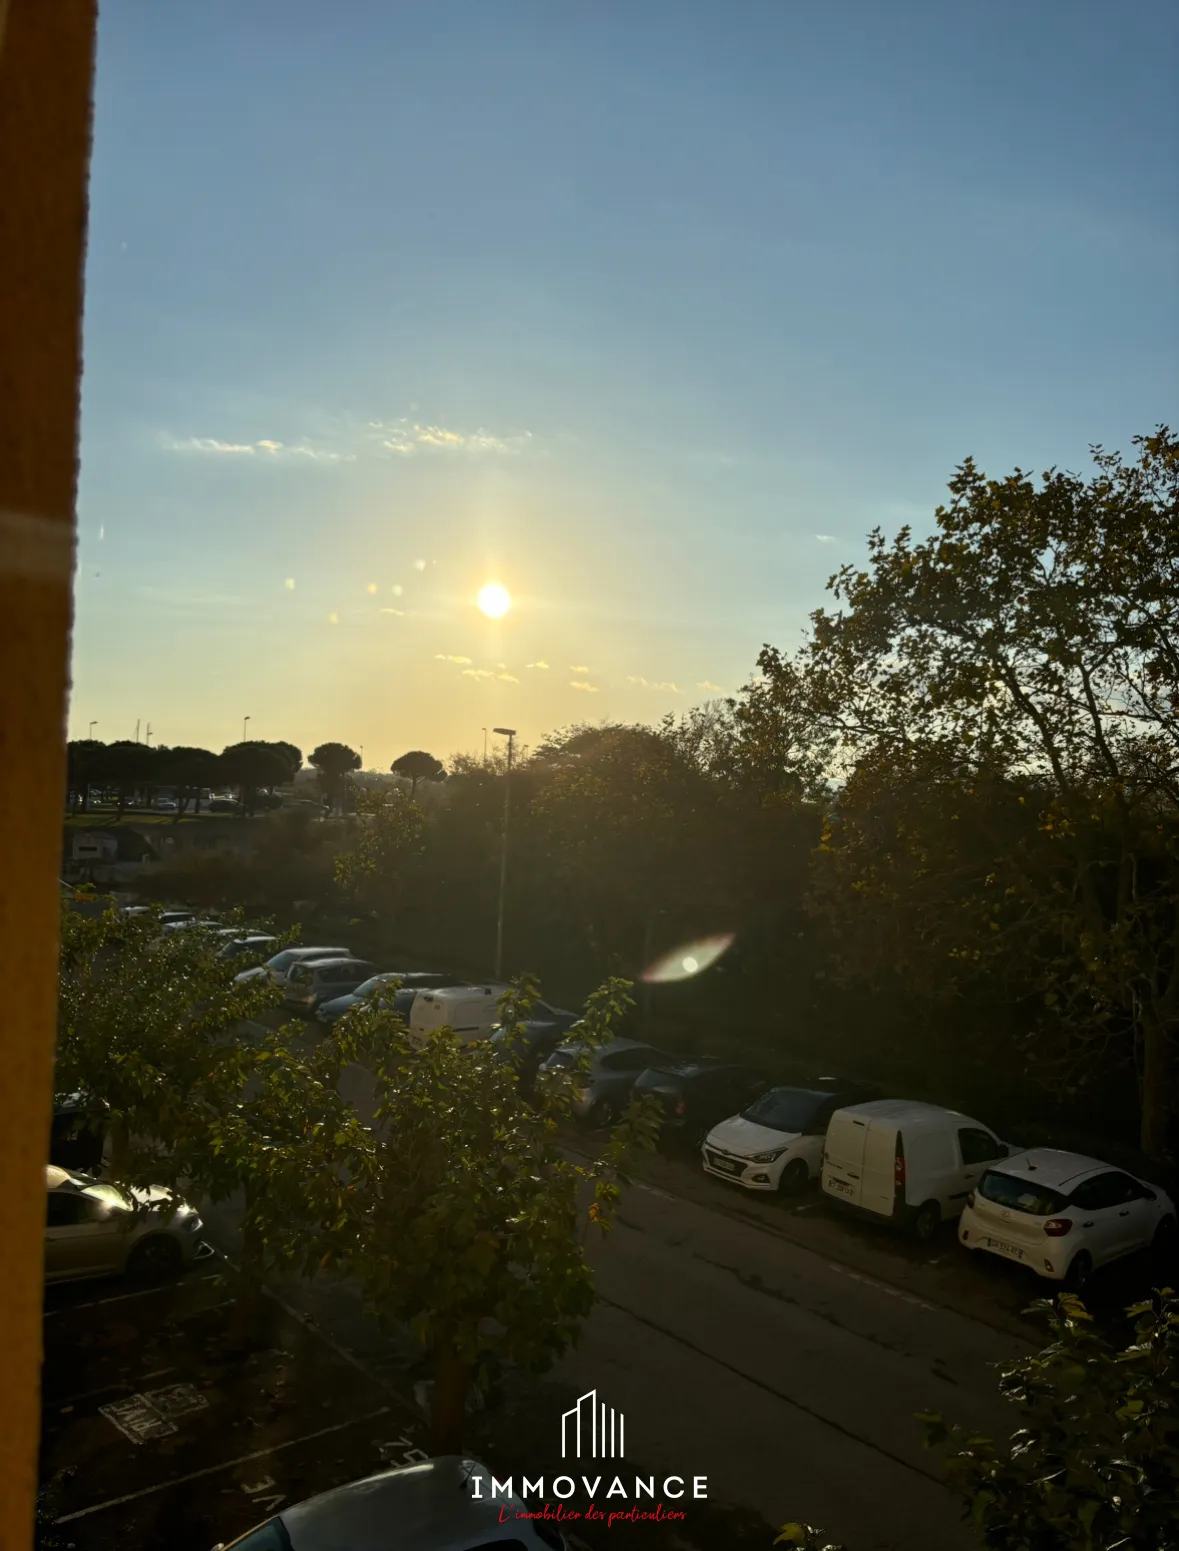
(1149, 1195)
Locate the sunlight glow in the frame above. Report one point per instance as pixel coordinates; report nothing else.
(494, 600)
(689, 959)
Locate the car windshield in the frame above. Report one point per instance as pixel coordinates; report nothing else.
(1021, 1195)
(786, 1109)
(372, 984)
(564, 1058)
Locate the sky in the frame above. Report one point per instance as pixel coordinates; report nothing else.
(646, 310)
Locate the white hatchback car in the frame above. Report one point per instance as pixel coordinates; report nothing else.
(1063, 1215)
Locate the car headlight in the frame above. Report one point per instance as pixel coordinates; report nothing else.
(768, 1157)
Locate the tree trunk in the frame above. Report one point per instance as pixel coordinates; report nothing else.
(448, 1414)
(1158, 1091)
(85, 796)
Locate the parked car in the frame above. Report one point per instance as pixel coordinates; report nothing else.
(1064, 1215)
(696, 1094)
(533, 1041)
(320, 980)
(471, 1011)
(166, 805)
(603, 1092)
(276, 968)
(96, 1229)
(176, 917)
(254, 946)
(430, 1506)
(914, 1164)
(77, 1140)
(205, 923)
(412, 981)
(222, 805)
(776, 1143)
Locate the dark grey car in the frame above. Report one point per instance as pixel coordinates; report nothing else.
(602, 1093)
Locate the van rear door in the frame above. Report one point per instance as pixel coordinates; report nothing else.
(843, 1155)
(879, 1174)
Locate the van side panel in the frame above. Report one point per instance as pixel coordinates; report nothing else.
(878, 1176)
(844, 1156)
(932, 1170)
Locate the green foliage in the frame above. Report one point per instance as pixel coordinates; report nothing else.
(417, 766)
(377, 872)
(466, 1221)
(805, 1537)
(1001, 701)
(1095, 1464)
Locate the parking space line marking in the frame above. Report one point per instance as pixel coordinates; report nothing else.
(212, 1470)
(142, 1292)
(69, 1401)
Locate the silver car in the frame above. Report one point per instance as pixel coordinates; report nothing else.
(432, 1506)
(96, 1229)
(601, 1094)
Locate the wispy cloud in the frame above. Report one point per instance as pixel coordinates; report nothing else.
(826, 538)
(666, 686)
(393, 611)
(404, 437)
(573, 668)
(543, 665)
(508, 678)
(264, 449)
(588, 689)
(446, 657)
(478, 673)
(709, 685)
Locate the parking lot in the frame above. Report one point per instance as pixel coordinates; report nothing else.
(154, 1434)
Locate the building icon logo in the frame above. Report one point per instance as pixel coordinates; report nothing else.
(592, 1430)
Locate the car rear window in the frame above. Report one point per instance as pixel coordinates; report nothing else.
(1021, 1195)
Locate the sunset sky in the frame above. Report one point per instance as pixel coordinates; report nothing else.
(646, 310)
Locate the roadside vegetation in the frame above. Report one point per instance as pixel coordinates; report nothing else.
(945, 829)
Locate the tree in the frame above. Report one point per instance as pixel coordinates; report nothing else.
(188, 770)
(128, 766)
(417, 766)
(466, 1223)
(253, 766)
(1028, 650)
(380, 869)
(1095, 1464)
(334, 761)
(292, 757)
(83, 761)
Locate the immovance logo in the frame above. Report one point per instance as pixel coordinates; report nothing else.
(592, 1430)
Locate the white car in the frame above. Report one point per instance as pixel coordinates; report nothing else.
(1064, 1215)
(322, 980)
(275, 969)
(777, 1142)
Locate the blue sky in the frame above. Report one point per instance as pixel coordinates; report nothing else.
(647, 309)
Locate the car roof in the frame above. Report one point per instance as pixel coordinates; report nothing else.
(430, 1504)
(55, 1177)
(322, 953)
(340, 958)
(918, 1116)
(461, 990)
(1052, 1166)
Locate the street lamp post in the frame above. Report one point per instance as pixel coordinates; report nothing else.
(93, 725)
(245, 723)
(509, 733)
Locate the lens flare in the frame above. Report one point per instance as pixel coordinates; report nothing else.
(690, 958)
(494, 600)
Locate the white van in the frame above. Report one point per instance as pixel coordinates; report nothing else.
(471, 1011)
(912, 1163)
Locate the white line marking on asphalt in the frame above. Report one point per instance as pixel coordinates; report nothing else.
(653, 1190)
(893, 1292)
(212, 1470)
(142, 1292)
(68, 1402)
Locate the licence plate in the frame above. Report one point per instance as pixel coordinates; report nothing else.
(728, 1165)
(840, 1187)
(1002, 1247)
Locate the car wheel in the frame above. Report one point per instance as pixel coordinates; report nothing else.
(1080, 1269)
(794, 1177)
(600, 1115)
(154, 1259)
(926, 1221)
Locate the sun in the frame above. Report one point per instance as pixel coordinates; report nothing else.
(494, 600)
